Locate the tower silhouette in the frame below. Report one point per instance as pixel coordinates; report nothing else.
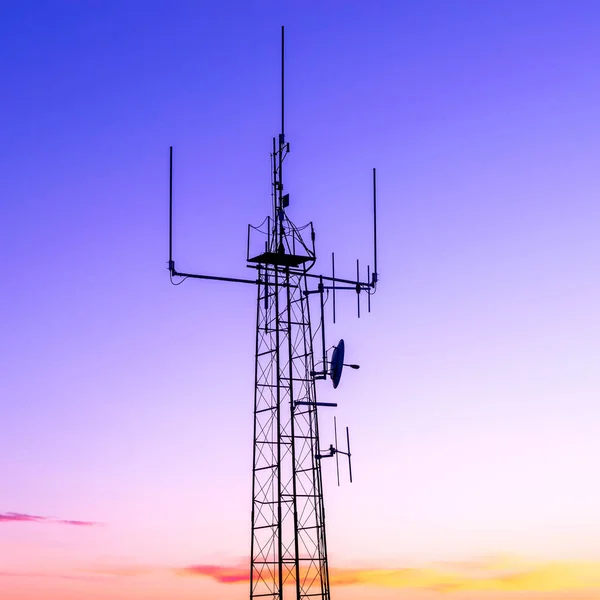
(288, 553)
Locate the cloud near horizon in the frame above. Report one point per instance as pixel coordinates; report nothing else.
(495, 574)
(15, 517)
(488, 575)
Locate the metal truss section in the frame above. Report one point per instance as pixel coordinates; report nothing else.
(288, 548)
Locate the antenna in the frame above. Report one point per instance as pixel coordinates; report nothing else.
(375, 272)
(337, 461)
(333, 286)
(322, 303)
(172, 271)
(334, 451)
(288, 538)
(337, 363)
(282, 81)
(358, 288)
(171, 263)
(368, 292)
(348, 454)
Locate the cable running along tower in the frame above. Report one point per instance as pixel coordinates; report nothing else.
(288, 550)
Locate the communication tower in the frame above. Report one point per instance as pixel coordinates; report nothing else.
(288, 550)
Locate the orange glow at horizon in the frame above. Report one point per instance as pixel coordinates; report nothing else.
(486, 578)
(493, 575)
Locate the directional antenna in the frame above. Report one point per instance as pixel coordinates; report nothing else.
(337, 462)
(348, 454)
(337, 364)
(338, 451)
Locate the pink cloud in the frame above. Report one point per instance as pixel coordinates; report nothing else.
(220, 574)
(77, 523)
(30, 574)
(15, 517)
(11, 517)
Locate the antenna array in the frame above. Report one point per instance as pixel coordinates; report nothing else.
(288, 543)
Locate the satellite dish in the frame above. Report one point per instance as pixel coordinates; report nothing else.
(337, 364)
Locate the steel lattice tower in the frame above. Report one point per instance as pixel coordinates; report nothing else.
(288, 518)
(288, 525)
(288, 551)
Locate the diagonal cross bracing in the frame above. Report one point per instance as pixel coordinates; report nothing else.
(288, 548)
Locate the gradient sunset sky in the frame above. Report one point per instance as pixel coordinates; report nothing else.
(126, 421)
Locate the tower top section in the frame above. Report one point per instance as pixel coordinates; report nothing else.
(281, 243)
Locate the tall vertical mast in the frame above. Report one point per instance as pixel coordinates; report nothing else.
(282, 134)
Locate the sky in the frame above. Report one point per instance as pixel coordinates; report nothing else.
(126, 403)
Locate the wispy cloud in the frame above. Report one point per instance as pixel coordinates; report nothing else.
(12, 517)
(38, 574)
(76, 523)
(124, 570)
(221, 574)
(493, 575)
(15, 517)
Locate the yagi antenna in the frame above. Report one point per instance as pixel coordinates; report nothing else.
(348, 454)
(337, 460)
(334, 451)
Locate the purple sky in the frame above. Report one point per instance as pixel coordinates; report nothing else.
(128, 402)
